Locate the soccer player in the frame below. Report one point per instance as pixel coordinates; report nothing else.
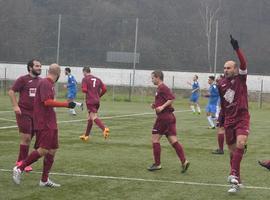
(195, 94)
(265, 163)
(45, 126)
(71, 88)
(94, 89)
(234, 108)
(165, 123)
(211, 107)
(26, 87)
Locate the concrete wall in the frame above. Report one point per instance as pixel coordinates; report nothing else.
(123, 77)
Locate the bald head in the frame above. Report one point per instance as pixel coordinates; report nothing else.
(54, 71)
(230, 68)
(230, 63)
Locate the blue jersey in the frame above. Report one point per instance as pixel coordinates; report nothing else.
(213, 95)
(71, 83)
(196, 87)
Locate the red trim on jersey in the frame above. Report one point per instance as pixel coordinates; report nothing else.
(53, 103)
(241, 57)
(103, 90)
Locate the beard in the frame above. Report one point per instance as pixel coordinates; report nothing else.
(36, 72)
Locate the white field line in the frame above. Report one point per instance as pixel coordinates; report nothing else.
(9, 120)
(109, 117)
(6, 111)
(121, 178)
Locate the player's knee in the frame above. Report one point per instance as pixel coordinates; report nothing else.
(241, 144)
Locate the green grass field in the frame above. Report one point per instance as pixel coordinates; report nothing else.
(116, 168)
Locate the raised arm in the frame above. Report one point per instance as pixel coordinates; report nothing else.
(241, 57)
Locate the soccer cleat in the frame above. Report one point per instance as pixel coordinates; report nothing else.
(26, 169)
(218, 152)
(234, 188)
(265, 164)
(185, 166)
(106, 133)
(198, 113)
(154, 167)
(17, 175)
(48, 183)
(233, 180)
(81, 106)
(84, 138)
(211, 127)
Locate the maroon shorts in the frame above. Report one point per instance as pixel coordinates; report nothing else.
(165, 125)
(25, 124)
(47, 139)
(93, 108)
(241, 128)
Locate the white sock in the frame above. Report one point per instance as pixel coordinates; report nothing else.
(198, 109)
(209, 118)
(192, 108)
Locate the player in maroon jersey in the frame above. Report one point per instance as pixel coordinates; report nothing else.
(265, 163)
(45, 126)
(165, 123)
(234, 108)
(26, 87)
(93, 88)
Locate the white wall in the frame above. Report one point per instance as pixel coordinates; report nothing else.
(142, 77)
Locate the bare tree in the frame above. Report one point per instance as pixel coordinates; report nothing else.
(208, 11)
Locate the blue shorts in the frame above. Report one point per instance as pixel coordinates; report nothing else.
(71, 95)
(194, 98)
(211, 108)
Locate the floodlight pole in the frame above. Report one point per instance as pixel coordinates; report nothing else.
(216, 46)
(135, 54)
(58, 38)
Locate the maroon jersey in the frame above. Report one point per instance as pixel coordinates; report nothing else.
(44, 116)
(163, 94)
(26, 87)
(233, 96)
(92, 86)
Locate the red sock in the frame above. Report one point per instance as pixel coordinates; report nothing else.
(33, 157)
(156, 153)
(47, 165)
(179, 151)
(236, 160)
(221, 141)
(23, 152)
(99, 124)
(89, 127)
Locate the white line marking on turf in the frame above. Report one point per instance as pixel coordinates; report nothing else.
(6, 111)
(9, 120)
(109, 117)
(144, 180)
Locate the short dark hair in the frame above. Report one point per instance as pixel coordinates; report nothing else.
(158, 74)
(212, 78)
(30, 64)
(86, 69)
(196, 76)
(67, 69)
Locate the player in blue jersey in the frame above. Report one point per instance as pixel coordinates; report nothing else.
(195, 94)
(211, 107)
(71, 88)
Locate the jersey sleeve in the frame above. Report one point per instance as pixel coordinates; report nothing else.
(18, 85)
(167, 93)
(243, 64)
(84, 85)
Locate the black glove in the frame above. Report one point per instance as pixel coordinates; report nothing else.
(71, 105)
(234, 43)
